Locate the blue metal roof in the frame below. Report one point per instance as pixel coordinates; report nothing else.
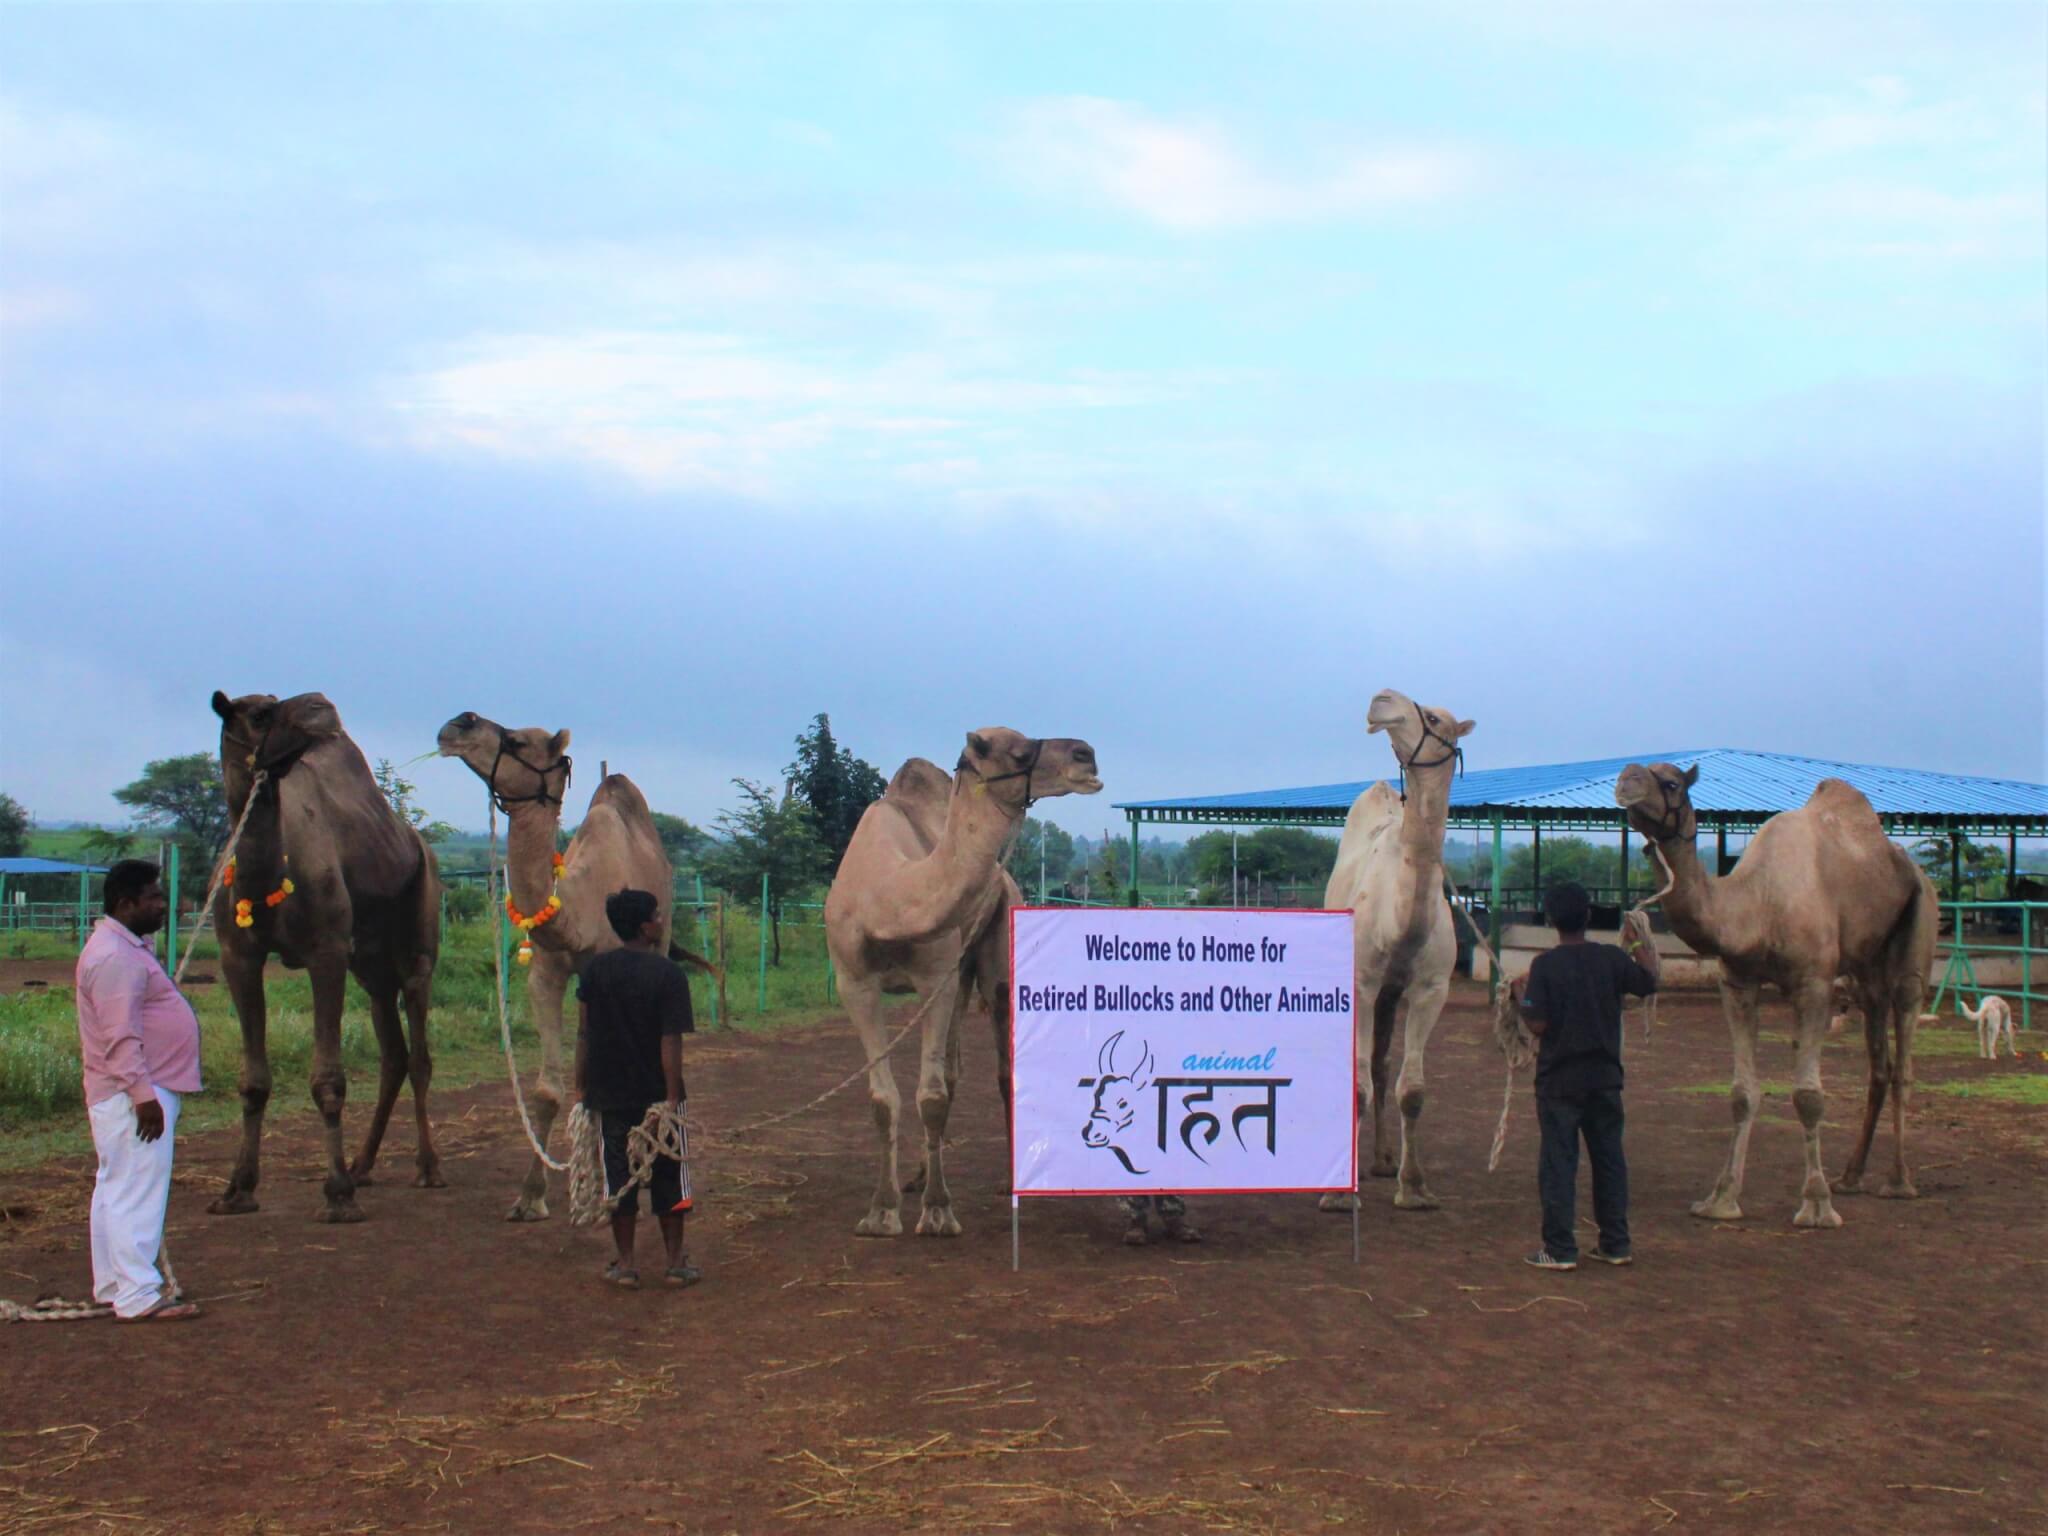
(30, 866)
(1733, 785)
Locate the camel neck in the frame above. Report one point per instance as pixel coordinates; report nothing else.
(530, 854)
(1425, 813)
(932, 894)
(1689, 905)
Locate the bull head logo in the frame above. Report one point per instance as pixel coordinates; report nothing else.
(1115, 1107)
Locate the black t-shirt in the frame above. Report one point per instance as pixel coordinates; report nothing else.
(1576, 989)
(632, 998)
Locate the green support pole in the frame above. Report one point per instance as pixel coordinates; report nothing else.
(171, 928)
(1624, 863)
(1536, 860)
(1955, 875)
(1134, 853)
(84, 893)
(2012, 864)
(3, 902)
(761, 996)
(1720, 848)
(1493, 912)
(2027, 964)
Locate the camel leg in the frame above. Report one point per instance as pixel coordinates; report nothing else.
(1739, 1004)
(1810, 1009)
(1876, 1048)
(992, 980)
(1906, 997)
(244, 975)
(418, 995)
(1423, 1009)
(329, 975)
(391, 1070)
(863, 999)
(546, 982)
(938, 1069)
(1372, 1088)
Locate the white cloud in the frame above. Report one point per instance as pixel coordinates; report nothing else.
(1881, 114)
(1191, 176)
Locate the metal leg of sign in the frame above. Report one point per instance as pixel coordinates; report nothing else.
(1355, 1203)
(1015, 1256)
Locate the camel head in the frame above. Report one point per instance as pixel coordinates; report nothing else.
(1657, 800)
(523, 767)
(260, 730)
(1015, 769)
(1421, 737)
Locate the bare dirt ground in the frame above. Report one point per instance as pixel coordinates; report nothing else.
(435, 1369)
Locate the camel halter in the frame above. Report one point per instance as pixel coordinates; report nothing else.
(540, 796)
(1024, 773)
(1452, 751)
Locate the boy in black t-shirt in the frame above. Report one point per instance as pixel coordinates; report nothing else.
(633, 1010)
(1571, 1001)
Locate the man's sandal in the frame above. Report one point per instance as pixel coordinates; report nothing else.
(619, 1275)
(165, 1309)
(683, 1274)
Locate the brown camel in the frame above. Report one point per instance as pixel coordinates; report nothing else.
(331, 880)
(1821, 892)
(921, 904)
(615, 847)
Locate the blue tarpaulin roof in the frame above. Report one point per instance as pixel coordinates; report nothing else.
(1735, 788)
(27, 866)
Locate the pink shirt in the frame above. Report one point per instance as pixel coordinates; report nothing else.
(136, 1032)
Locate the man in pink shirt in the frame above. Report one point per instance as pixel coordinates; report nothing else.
(139, 1040)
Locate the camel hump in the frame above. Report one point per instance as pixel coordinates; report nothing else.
(1379, 803)
(621, 793)
(1841, 798)
(920, 783)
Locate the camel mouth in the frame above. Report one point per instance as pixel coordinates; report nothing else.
(1090, 785)
(1386, 708)
(1632, 788)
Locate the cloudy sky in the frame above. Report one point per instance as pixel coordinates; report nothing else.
(1175, 377)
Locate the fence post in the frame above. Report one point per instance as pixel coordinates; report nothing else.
(1493, 979)
(761, 993)
(84, 890)
(2027, 965)
(171, 928)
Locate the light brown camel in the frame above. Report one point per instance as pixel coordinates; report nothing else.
(921, 904)
(614, 848)
(331, 880)
(1821, 892)
(1390, 875)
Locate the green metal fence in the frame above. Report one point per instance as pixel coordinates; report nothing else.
(1975, 931)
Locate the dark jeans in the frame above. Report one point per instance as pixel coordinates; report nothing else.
(1565, 1117)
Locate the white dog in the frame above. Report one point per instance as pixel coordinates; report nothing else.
(1992, 1018)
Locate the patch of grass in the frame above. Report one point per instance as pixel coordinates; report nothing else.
(1770, 1090)
(2006, 1088)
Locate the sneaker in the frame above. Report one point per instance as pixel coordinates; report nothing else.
(1602, 1256)
(1542, 1258)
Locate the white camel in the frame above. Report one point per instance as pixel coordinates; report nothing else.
(1390, 874)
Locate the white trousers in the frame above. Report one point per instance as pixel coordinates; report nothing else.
(128, 1202)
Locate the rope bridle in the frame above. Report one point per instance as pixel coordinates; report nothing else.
(1452, 751)
(540, 796)
(1024, 773)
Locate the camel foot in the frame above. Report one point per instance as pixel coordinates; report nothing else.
(429, 1178)
(1416, 1199)
(1181, 1232)
(1820, 1214)
(524, 1209)
(1898, 1189)
(341, 1213)
(937, 1221)
(1717, 1208)
(1847, 1184)
(1343, 1202)
(883, 1223)
(236, 1202)
(1135, 1235)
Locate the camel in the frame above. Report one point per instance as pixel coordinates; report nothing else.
(330, 879)
(614, 848)
(1821, 892)
(1993, 1018)
(920, 904)
(1390, 875)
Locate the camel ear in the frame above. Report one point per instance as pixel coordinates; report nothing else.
(977, 744)
(561, 742)
(1465, 727)
(1692, 775)
(222, 705)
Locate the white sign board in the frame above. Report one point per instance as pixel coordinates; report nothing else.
(1182, 1051)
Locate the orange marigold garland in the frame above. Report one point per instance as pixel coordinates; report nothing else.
(540, 919)
(245, 908)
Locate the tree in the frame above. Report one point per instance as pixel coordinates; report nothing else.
(184, 796)
(400, 792)
(15, 822)
(771, 837)
(1979, 863)
(683, 841)
(833, 785)
(1271, 854)
(1058, 845)
(109, 845)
